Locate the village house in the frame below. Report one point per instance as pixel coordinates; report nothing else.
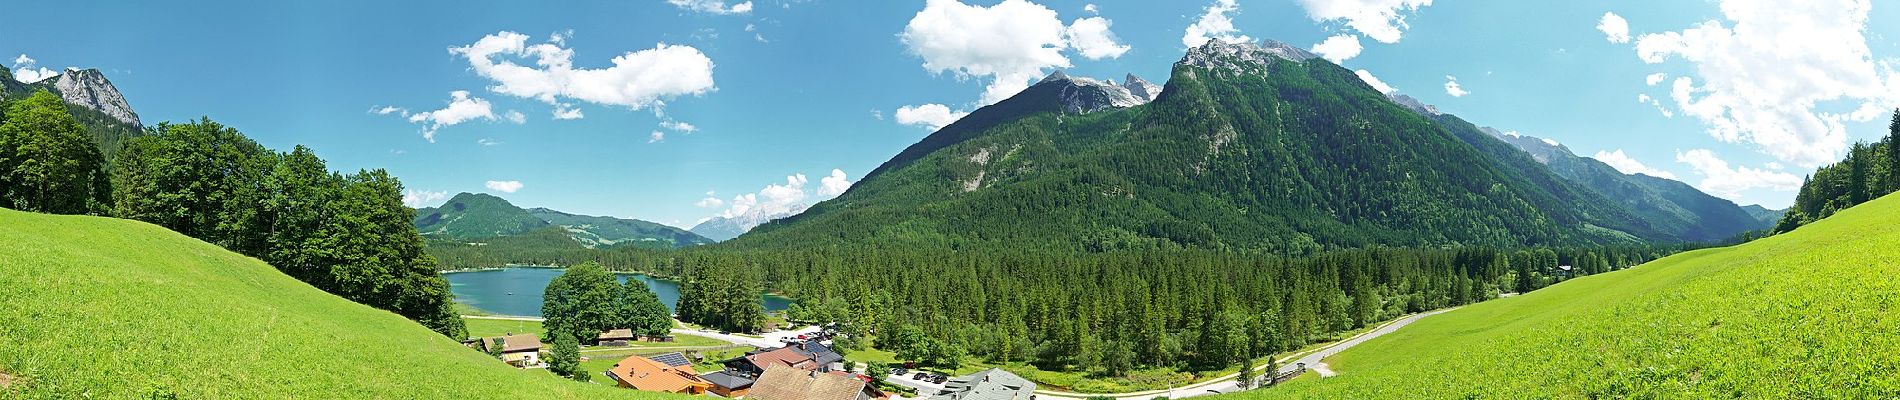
(616, 337)
(807, 355)
(788, 383)
(521, 351)
(728, 384)
(673, 375)
(990, 384)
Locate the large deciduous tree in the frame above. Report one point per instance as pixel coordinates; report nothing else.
(47, 163)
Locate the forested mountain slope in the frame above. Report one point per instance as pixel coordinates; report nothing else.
(1256, 147)
(1794, 315)
(95, 307)
(469, 216)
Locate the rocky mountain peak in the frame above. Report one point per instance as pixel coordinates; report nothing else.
(89, 88)
(1141, 88)
(1411, 103)
(1238, 57)
(1085, 95)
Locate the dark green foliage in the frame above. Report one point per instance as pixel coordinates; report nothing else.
(643, 311)
(474, 217)
(584, 301)
(1292, 159)
(564, 358)
(494, 350)
(614, 232)
(46, 162)
(348, 235)
(724, 295)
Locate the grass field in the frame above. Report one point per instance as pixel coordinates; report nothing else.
(106, 308)
(1808, 314)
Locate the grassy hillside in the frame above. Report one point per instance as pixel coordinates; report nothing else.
(99, 307)
(1808, 314)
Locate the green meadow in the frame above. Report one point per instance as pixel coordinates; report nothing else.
(107, 308)
(1806, 314)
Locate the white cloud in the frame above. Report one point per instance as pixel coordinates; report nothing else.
(1339, 48)
(1614, 28)
(1552, 142)
(876, 113)
(1214, 24)
(1374, 81)
(1656, 78)
(771, 200)
(487, 142)
(1090, 8)
(636, 80)
(1783, 76)
(567, 112)
(932, 116)
(656, 137)
(1627, 165)
(1453, 88)
(515, 116)
(712, 6)
(1381, 20)
(679, 126)
(1091, 38)
(24, 70)
(711, 201)
(461, 108)
(1645, 99)
(422, 198)
(1010, 43)
(386, 110)
(504, 186)
(834, 184)
(1719, 179)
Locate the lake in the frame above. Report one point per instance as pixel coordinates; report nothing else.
(490, 290)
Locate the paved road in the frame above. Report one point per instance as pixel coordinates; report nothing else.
(1225, 384)
(774, 339)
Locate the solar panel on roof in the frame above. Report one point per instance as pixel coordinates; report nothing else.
(671, 359)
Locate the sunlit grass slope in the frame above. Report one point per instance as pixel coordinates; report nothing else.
(1808, 314)
(106, 308)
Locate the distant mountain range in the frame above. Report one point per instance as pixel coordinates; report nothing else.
(1246, 147)
(723, 228)
(472, 216)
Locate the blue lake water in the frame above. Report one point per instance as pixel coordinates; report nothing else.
(517, 291)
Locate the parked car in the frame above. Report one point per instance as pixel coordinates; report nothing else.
(920, 376)
(899, 371)
(939, 379)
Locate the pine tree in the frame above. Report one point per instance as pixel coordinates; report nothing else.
(1245, 379)
(1893, 152)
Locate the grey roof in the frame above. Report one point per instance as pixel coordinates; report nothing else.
(673, 359)
(727, 380)
(990, 384)
(818, 352)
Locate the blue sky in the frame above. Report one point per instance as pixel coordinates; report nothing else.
(774, 90)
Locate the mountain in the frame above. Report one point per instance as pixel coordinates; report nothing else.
(1787, 316)
(1763, 214)
(96, 307)
(1672, 207)
(1262, 147)
(724, 228)
(469, 216)
(90, 98)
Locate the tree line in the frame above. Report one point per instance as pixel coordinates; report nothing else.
(585, 301)
(349, 235)
(1868, 172)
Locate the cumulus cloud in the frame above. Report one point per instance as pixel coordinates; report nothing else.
(1381, 20)
(1374, 81)
(636, 80)
(504, 186)
(1614, 28)
(1453, 88)
(1783, 76)
(1338, 48)
(567, 112)
(461, 108)
(1720, 179)
(1627, 165)
(1091, 37)
(930, 116)
(1010, 43)
(834, 184)
(712, 6)
(711, 201)
(386, 110)
(656, 137)
(1214, 24)
(516, 117)
(25, 70)
(422, 198)
(1653, 102)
